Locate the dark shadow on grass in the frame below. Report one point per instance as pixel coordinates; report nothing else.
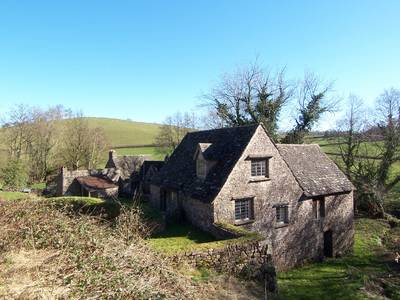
(185, 229)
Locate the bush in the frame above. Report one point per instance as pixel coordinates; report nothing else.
(89, 206)
(14, 175)
(87, 257)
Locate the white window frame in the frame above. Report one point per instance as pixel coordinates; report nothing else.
(243, 210)
(259, 168)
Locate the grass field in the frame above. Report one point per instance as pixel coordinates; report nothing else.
(119, 133)
(152, 151)
(123, 132)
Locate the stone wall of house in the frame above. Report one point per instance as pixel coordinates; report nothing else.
(302, 238)
(198, 213)
(67, 185)
(155, 196)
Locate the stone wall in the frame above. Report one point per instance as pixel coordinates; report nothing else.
(246, 260)
(67, 185)
(198, 213)
(155, 196)
(232, 258)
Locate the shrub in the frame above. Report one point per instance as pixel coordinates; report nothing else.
(89, 206)
(91, 258)
(14, 175)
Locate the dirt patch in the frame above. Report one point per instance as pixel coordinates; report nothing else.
(21, 276)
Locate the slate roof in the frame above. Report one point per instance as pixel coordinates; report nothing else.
(147, 164)
(315, 172)
(126, 164)
(224, 145)
(96, 182)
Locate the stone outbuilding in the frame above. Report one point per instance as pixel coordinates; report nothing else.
(293, 195)
(148, 170)
(121, 177)
(89, 183)
(127, 166)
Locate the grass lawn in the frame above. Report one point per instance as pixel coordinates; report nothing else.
(338, 278)
(183, 237)
(38, 185)
(13, 195)
(343, 278)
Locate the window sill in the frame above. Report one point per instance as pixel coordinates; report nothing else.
(244, 222)
(259, 179)
(281, 225)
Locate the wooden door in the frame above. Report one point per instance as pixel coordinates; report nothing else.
(328, 243)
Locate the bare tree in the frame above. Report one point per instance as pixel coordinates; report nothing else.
(82, 146)
(313, 101)
(45, 132)
(372, 176)
(17, 130)
(31, 134)
(389, 108)
(250, 95)
(173, 130)
(350, 137)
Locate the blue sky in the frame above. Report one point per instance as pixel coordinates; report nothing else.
(144, 60)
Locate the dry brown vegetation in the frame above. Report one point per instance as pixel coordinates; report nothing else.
(48, 253)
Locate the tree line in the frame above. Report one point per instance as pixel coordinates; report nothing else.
(254, 95)
(38, 142)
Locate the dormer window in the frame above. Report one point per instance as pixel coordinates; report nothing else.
(201, 168)
(204, 159)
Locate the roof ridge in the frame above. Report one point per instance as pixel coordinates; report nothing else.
(224, 128)
(304, 145)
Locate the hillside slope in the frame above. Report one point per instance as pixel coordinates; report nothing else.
(123, 132)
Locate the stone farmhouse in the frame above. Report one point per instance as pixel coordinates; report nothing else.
(293, 195)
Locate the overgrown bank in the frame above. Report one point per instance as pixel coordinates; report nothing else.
(45, 251)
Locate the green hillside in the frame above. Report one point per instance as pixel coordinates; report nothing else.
(119, 133)
(123, 132)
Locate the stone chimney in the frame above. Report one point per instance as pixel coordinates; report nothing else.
(112, 154)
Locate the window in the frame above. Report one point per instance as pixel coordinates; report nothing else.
(243, 209)
(259, 167)
(318, 208)
(282, 214)
(173, 196)
(315, 209)
(322, 208)
(201, 168)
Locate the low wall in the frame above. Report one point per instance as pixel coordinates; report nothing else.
(248, 259)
